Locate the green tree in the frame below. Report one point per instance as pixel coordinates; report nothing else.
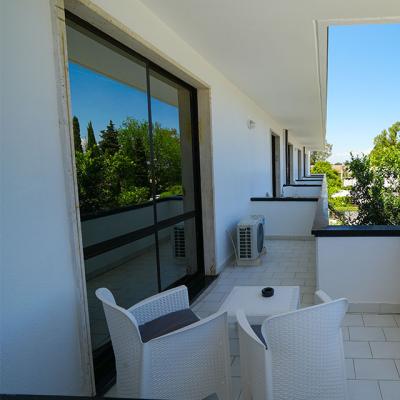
(77, 134)
(367, 192)
(321, 155)
(332, 177)
(386, 146)
(109, 139)
(91, 138)
(377, 175)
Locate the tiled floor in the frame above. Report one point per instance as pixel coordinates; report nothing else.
(371, 341)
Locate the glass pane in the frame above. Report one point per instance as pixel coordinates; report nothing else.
(173, 153)
(111, 135)
(130, 272)
(178, 252)
(110, 124)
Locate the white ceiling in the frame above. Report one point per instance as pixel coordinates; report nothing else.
(273, 50)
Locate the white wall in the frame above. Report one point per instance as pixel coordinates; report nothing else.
(41, 350)
(301, 191)
(309, 181)
(308, 170)
(363, 269)
(286, 218)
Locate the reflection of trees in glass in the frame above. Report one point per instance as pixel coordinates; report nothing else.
(116, 171)
(91, 139)
(109, 139)
(77, 134)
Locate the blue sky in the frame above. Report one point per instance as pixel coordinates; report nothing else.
(98, 99)
(363, 85)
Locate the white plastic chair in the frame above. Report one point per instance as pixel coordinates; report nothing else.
(304, 358)
(188, 364)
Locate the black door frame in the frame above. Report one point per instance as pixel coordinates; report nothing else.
(103, 358)
(273, 165)
(274, 140)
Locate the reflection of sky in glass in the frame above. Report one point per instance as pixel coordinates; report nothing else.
(98, 99)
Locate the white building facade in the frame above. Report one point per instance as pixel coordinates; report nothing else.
(46, 343)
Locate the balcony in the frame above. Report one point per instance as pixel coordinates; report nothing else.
(257, 110)
(371, 329)
(297, 237)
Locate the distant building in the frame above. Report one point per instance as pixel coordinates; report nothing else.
(340, 168)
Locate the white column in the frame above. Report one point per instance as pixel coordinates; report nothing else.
(43, 348)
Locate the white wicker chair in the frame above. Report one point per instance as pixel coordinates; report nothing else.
(188, 364)
(304, 356)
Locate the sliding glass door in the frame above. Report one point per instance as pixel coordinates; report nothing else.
(137, 164)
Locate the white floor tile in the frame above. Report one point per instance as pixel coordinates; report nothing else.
(366, 333)
(392, 334)
(379, 320)
(375, 369)
(385, 349)
(112, 392)
(390, 390)
(397, 319)
(236, 388)
(357, 350)
(350, 374)
(353, 320)
(364, 390)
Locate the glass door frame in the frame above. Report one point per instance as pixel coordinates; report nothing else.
(103, 359)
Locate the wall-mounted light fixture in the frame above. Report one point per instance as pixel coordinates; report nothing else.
(251, 124)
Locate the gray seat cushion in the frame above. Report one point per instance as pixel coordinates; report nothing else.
(167, 323)
(257, 331)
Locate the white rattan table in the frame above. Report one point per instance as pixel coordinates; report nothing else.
(256, 307)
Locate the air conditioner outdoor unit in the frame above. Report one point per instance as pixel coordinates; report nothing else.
(250, 238)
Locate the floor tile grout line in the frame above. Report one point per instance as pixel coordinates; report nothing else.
(397, 368)
(380, 390)
(370, 349)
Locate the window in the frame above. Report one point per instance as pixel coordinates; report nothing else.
(136, 152)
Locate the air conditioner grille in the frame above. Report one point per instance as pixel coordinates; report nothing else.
(179, 242)
(245, 242)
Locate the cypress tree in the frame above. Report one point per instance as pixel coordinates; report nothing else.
(77, 134)
(91, 138)
(109, 139)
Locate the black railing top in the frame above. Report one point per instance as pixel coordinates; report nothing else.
(284, 199)
(357, 230)
(118, 210)
(303, 185)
